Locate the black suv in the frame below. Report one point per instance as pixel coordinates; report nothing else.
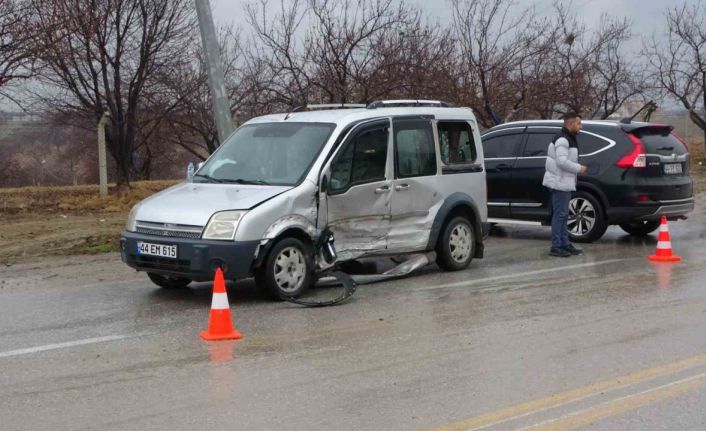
(637, 172)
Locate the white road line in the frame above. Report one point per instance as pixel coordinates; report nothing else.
(63, 345)
(521, 274)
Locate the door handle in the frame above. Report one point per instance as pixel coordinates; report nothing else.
(502, 167)
(400, 187)
(383, 189)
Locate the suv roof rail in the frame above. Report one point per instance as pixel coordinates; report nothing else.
(408, 102)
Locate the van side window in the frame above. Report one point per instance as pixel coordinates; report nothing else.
(415, 153)
(537, 144)
(456, 143)
(501, 147)
(363, 159)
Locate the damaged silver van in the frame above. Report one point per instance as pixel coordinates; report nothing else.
(390, 178)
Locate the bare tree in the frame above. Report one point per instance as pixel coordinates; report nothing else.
(678, 65)
(284, 58)
(591, 75)
(105, 56)
(17, 50)
(495, 42)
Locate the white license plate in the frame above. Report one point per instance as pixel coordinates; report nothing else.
(672, 168)
(160, 250)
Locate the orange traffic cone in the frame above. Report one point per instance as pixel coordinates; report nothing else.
(664, 245)
(220, 325)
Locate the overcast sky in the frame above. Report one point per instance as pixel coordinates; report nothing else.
(647, 15)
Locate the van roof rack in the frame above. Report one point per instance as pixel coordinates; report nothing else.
(322, 106)
(408, 102)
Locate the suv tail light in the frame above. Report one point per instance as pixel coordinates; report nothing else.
(636, 158)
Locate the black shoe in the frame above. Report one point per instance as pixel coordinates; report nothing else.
(573, 250)
(559, 252)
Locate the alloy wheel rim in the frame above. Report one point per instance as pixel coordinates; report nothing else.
(582, 217)
(290, 269)
(460, 243)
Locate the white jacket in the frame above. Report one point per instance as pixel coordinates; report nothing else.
(562, 166)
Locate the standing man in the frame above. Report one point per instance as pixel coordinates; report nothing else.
(562, 168)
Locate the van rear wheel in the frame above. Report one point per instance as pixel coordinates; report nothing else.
(288, 270)
(456, 245)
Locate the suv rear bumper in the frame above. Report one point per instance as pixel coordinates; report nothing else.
(677, 209)
(197, 259)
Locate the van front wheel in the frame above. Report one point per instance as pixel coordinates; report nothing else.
(288, 270)
(456, 245)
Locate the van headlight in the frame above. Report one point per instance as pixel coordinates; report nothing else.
(223, 225)
(131, 224)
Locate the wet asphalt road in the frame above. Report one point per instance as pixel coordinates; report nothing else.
(604, 341)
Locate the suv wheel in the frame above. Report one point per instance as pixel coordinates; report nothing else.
(168, 282)
(456, 245)
(586, 221)
(641, 227)
(288, 270)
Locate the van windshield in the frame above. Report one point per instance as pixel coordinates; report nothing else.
(266, 153)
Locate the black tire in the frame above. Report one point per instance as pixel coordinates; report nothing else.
(454, 255)
(168, 282)
(640, 227)
(278, 285)
(590, 210)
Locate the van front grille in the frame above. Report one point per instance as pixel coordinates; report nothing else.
(169, 230)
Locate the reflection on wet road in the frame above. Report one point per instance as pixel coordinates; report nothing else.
(519, 340)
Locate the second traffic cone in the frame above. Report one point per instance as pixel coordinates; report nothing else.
(220, 324)
(664, 245)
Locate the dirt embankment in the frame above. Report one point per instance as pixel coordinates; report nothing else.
(48, 221)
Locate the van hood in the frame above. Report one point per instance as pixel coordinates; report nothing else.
(194, 203)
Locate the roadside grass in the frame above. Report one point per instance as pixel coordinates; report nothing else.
(60, 221)
(698, 166)
(75, 199)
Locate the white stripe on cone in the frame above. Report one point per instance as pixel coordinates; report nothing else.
(664, 227)
(664, 245)
(220, 301)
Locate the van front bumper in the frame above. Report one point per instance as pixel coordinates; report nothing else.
(197, 259)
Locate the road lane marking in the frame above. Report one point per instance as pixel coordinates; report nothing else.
(522, 274)
(46, 347)
(556, 400)
(620, 405)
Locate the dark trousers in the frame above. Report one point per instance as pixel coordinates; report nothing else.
(560, 216)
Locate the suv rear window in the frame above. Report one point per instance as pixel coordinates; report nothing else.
(660, 141)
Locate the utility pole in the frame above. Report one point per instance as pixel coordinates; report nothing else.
(102, 163)
(219, 99)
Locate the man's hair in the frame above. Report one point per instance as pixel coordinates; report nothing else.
(570, 116)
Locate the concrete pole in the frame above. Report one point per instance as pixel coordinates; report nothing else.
(219, 98)
(102, 163)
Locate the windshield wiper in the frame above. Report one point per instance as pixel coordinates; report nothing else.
(210, 178)
(244, 181)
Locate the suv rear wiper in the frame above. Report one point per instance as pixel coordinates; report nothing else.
(210, 178)
(665, 149)
(244, 181)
